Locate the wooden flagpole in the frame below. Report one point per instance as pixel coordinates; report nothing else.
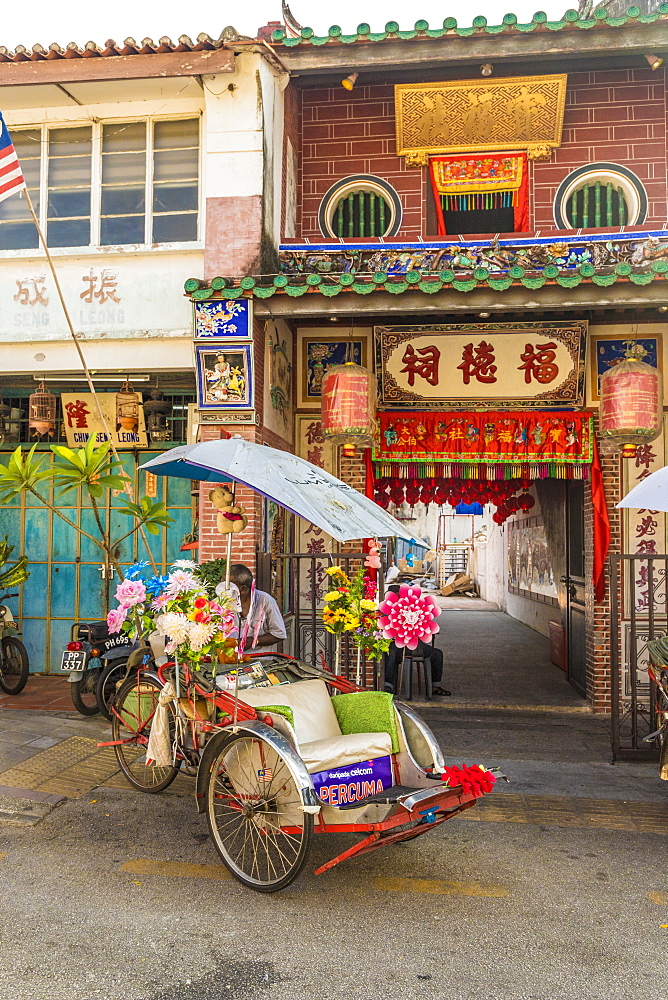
(91, 385)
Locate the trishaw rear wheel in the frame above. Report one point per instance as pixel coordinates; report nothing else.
(255, 817)
(133, 711)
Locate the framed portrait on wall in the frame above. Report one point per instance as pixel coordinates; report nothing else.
(606, 352)
(224, 376)
(219, 319)
(318, 352)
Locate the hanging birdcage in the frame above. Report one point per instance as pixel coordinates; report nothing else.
(127, 408)
(5, 411)
(42, 412)
(348, 406)
(631, 410)
(157, 409)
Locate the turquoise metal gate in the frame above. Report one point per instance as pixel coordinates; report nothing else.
(67, 573)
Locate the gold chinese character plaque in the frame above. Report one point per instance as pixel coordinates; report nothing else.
(474, 116)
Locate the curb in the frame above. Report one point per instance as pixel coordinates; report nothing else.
(26, 806)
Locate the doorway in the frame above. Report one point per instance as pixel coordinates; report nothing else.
(575, 586)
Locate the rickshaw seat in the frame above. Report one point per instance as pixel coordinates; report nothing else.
(322, 745)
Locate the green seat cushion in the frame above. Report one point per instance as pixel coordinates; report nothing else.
(367, 712)
(283, 710)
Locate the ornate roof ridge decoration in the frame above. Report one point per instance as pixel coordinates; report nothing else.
(571, 19)
(129, 47)
(639, 258)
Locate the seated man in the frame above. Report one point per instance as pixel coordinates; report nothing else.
(433, 659)
(265, 619)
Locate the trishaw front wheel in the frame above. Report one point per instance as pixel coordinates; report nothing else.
(133, 710)
(255, 814)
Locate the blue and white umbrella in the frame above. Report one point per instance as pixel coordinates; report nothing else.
(292, 482)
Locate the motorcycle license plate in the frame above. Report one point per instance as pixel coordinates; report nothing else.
(73, 659)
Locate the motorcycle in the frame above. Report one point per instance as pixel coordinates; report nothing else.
(14, 666)
(89, 652)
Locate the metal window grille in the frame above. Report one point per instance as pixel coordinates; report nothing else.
(362, 213)
(595, 204)
(107, 184)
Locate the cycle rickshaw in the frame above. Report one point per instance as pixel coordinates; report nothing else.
(275, 761)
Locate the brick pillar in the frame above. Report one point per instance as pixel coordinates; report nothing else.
(597, 615)
(213, 545)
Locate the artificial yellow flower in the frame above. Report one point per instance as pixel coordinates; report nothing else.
(331, 570)
(333, 595)
(367, 605)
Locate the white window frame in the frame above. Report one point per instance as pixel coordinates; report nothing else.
(96, 180)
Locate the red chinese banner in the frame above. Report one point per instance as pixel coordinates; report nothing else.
(522, 438)
(483, 182)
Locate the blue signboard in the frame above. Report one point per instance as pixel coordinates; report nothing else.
(351, 783)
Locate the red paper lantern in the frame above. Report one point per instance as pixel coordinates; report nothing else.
(526, 501)
(348, 405)
(631, 403)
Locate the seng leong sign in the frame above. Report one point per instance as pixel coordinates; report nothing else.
(483, 364)
(81, 417)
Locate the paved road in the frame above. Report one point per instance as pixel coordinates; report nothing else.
(514, 909)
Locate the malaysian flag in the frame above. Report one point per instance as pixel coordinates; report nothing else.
(265, 774)
(11, 176)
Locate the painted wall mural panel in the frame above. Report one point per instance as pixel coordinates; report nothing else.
(278, 379)
(223, 320)
(530, 571)
(317, 354)
(489, 363)
(224, 377)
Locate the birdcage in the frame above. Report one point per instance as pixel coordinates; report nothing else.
(127, 408)
(157, 410)
(42, 412)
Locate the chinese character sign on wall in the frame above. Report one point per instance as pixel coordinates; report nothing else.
(489, 363)
(81, 416)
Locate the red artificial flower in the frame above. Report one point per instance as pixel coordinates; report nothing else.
(200, 602)
(202, 616)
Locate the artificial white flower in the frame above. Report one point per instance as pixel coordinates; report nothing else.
(174, 624)
(182, 582)
(200, 634)
(184, 564)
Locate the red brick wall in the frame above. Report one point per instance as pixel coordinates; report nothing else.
(352, 132)
(597, 616)
(233, 236)
(617, 116)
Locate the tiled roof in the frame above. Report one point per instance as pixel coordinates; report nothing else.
(129, 47)
(509, 25)
(639, 258)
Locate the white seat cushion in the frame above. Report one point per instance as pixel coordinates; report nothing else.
(321, 755)
(311, 705)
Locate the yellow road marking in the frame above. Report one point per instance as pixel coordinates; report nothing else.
(437, 887)
(661, 898)
(180, 869)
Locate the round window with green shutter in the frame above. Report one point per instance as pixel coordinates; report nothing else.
(600, 196)
(360, 206)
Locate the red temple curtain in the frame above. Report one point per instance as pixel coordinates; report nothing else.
(485, 181)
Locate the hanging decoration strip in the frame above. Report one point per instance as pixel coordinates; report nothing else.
(508, 496)
(542, 439)
(484, 182)
(479, 472)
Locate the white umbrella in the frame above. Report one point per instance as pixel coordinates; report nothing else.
(650, 494)
(292, 482)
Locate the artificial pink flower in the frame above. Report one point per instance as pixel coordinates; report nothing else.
(130, 592)
(115, 619)
(408, 617)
